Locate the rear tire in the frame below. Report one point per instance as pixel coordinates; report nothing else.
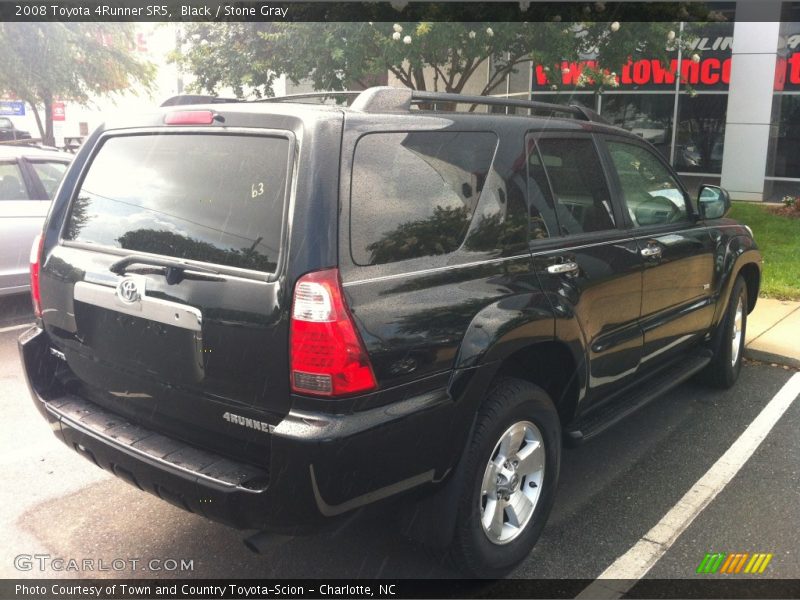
(511, 474)
(728, 345)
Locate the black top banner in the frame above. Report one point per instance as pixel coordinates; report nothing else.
(524, 10)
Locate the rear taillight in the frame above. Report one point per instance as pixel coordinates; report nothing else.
(327, 355)
(36, 263)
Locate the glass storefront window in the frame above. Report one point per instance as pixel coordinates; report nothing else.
(784, 147)
(700, 133)
(647, 115)
(774, 191)
(587, 100)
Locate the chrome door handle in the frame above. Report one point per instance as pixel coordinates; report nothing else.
(650, 252)
(561, 268)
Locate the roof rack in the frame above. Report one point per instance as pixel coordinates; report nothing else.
(574, 110)
(392, 99)
(389, 99)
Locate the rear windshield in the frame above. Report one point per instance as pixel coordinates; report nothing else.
(205, 197)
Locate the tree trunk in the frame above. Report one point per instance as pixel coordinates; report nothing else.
(38, 118)
(419, 78)
(49, 139)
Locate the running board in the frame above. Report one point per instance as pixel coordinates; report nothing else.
(644, 392)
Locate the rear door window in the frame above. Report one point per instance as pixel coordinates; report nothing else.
(50, 174)
(205, 197)
(414, 194)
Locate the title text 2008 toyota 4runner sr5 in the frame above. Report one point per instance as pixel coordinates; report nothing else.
(274, 313)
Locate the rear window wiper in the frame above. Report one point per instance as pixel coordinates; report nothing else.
(173, 268)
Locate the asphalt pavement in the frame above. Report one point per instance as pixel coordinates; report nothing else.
(612, 490)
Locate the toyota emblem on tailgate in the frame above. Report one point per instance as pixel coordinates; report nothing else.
(128, 290)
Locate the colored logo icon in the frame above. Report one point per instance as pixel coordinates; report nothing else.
(732, 563)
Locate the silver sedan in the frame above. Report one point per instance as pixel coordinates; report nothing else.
(29, 178)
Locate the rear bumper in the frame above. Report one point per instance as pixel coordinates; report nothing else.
(321, 465)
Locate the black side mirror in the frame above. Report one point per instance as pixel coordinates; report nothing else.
(713, 202)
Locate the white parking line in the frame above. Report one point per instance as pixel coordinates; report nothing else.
(15, 327)
(624, 572)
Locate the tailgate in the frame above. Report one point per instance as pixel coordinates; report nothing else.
(164, 297)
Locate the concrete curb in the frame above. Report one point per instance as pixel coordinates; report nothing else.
(769, 357)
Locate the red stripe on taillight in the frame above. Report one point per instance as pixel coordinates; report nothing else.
(36, 262)
(327, 355)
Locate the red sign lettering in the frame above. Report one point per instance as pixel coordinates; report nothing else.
(709, 71)
(662, 75)
(570, 71)
(641, 72)
(541, 75)
(794, 68)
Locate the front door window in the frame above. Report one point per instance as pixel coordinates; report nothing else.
(651, 193)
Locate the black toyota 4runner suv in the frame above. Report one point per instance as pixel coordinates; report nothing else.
(273, 313)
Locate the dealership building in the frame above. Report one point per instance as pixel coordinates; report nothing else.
(731, 119)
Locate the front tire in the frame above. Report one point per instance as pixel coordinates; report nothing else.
(728, 347)
(512, 470)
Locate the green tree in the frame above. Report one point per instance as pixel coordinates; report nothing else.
(425, 55)
(68, 61)
(231, 55)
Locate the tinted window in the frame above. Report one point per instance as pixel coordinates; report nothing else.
(12, 186)
(582, 202)
(50, 174)
(212, 198)
(543, 216)
(414, 194)
(652, 195)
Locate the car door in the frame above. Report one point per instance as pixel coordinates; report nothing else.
(27, 186)
(589, 266)
(676, 248)
(21, 217)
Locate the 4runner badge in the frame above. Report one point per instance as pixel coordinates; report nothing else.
(247, 422)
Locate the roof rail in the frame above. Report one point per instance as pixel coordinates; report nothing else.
(183, 99)
(304, 95)
(418, 97)
(393, 99)
(581, 112)
(389, 99)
